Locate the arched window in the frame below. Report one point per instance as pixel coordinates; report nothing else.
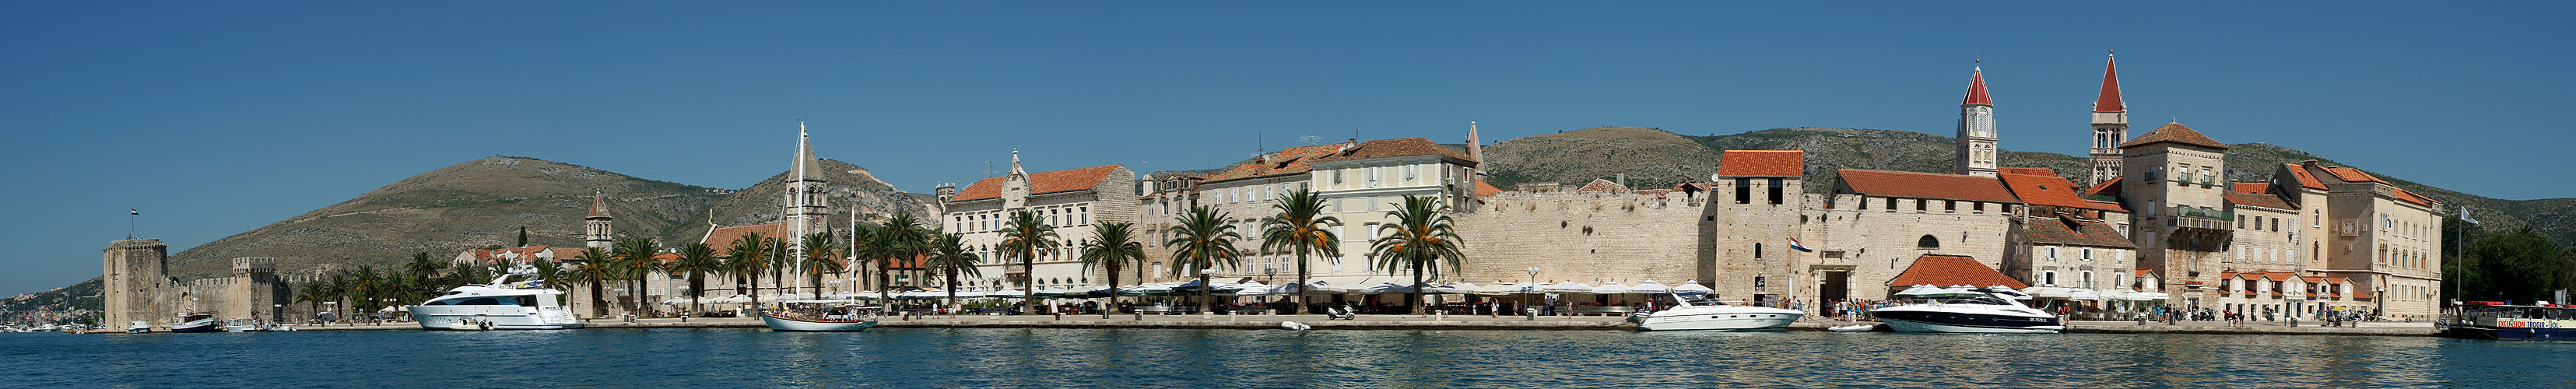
(1927, 242)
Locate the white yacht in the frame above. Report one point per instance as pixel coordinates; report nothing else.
(1969, 311)
(499, 305)
(1694, 313)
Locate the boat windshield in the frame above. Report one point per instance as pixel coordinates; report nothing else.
(1695, 301)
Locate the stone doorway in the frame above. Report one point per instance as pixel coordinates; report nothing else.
(1836, 287)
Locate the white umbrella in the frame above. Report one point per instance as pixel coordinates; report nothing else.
(1005, 293)
(1496, 289)
(1650, 287)
(2139, 296)
(735, 299)
(1319, 286)
(2152, 295)
(1386, 287)
(1254, 290)
(2084, 295)
(1692, 287)
(1612, 287)
(1455, 288)
(2050, 292)
(1567, 287)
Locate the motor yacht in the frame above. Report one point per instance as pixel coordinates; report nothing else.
(499, 305)
(196, 323)
(1969, 311)
(241, 325)
(138, 326)
(1691, 313)
(820, 316)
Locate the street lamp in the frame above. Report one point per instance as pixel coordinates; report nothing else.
(1533, 274)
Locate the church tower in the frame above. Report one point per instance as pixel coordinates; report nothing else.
(806, 205)
(1015, 187)
(1976, 151)
(595, 232)
(2110, 125)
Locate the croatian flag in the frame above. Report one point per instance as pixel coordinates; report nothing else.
(132, 211)
(1793, 244)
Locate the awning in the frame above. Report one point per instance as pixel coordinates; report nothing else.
(1650, 287)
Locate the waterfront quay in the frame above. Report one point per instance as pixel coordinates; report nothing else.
(1425, 322)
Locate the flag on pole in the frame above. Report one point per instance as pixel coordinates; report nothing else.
(2464, 215)
(1793, 244)
(132, 211)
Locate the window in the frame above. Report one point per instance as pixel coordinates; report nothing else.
(2052, 253)
(1743, 191)
(1372, 229)
(2088, 254)
(1775, 189)
(1757, 251)
(1950, 205)
(2088, 280)
(1408, 172)
(1919, 204)
(1864, 203)
(1891, 204)
(1337, 176)
(1977, 206)
(1927, 242)
(2048, 278)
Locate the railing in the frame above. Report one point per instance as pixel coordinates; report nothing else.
(2203, 213)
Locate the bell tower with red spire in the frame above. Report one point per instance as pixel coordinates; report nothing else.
(1976, 151)
(2110, 124)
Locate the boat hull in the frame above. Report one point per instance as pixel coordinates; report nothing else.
(500, 317)
(196, 327)
(2494, 333)
(1725, 319)
(1940, 321)
(782, 324)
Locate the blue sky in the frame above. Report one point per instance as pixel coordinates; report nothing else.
(216, 118)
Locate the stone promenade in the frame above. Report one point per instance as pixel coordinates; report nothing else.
(1424, 322)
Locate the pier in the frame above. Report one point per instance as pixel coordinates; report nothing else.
(1426, 322)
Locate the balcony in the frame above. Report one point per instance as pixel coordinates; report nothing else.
(2203, 218)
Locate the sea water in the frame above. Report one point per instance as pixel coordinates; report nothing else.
(1160, 358)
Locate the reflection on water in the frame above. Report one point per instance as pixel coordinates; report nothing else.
(1046, 358)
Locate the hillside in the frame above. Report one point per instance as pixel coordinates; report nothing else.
(1574, 157)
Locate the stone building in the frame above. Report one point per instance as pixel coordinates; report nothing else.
(1071, 200)
(138, 288)
(1362, 182)
(2061, 239)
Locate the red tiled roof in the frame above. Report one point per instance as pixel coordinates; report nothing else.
(2143, 273)
(1401, 147)
(2176, 133)
(2036, 171)
(1773, 163)
(2360, 294)
(2109, 101)
(2336, 280)
(1293, 160)
(1925, 185)
(722, 238)
(2278, 275)
(598, 205)
(2311, 279)
(2249, 187)
(2410, 196)
(1946, 270)
(2050, 190)
(1067, 180)
(2351, 175)
(2069, 231)
(2258, 200)
(1486, 189)
(2305, 180)
(1602, 185)
(2110, 187)
(1977, 90)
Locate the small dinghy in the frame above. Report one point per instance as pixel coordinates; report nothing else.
(1294, 326)
(1853, 328)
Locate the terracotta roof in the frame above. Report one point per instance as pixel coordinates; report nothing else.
(2110, 187)
(1774, 163)
(1602, 185)
(2036, 171)
(2360, 294)
(1484, 189)
(2305, 180)
(1401, 147)
(2278, 275)
(722, 238)
(1925, 185)
(2109, 101)
(2250, 187)
(1977, 90)
(2176, 133)
(1947, 270)
(2265, 200)
(1067, 180)
(2143, 273)
(2074, 232)
(2351, 175)
(2337, 280)
(2311, 279)
(566, 253)
(2410, 196)
(1293, 160)
(2051, 190)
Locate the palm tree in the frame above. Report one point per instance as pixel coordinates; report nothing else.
(313, 293)
(1422, 234)
(635, 260)
(747, 256)
(1112, 245)
(366, 285)
(697, 260)
(340, 291)
(782, 255)
(547, 272)
(1299, 227)
(1203, 241)
(901, 238)
(862, 254)
(1023, 236)
(422, 266)
(948, 256)
(819, 260)
(594, 269)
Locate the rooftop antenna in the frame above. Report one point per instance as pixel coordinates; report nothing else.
(988, 168)
(1309, 139)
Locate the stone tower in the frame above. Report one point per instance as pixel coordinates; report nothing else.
(256, 291)
(137, 284)
(596, 232)
(2110, 125)
(2171, 180)
(1976, 151)
(806, 204)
